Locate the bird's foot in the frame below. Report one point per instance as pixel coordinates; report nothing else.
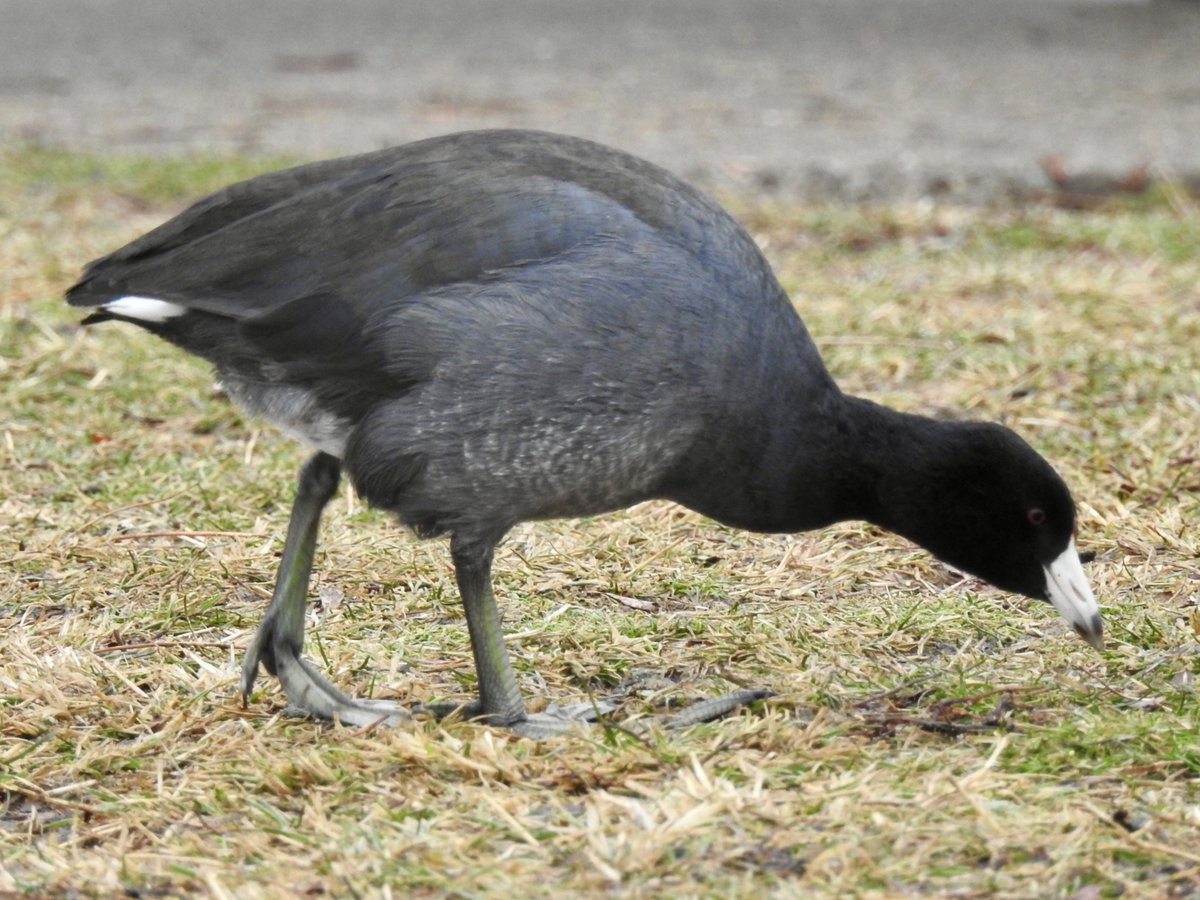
(356, 713)
(311, 694)
(715, 707)
(556, 719)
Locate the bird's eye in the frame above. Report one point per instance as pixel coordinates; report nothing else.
(1036, 517)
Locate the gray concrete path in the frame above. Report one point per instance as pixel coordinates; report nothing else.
(834, 97)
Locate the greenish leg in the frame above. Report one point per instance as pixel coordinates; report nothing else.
(280, 637)
(500, 700)
(499, 697)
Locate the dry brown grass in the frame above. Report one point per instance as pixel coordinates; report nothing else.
(931, 736)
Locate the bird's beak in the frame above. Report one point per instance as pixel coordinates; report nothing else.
(1069, 591)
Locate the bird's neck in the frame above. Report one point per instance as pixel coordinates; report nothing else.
(869, 455)
(881, 456)
(871, 462)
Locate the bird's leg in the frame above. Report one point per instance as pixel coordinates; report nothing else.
(499, 697)
(499, 700)
(280, 637)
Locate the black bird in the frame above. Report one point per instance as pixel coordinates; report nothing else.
(498, 326)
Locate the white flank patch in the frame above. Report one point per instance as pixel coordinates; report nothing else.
(146, 309)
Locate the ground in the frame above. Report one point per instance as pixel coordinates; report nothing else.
(1027, 254)
(929, 736)
(846, 99)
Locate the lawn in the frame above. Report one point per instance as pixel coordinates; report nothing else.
(929, 735)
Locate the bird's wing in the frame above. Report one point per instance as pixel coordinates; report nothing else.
(409, 219)
(315, 263)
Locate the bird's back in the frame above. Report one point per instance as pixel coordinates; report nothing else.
(417, 217)
(510, 310)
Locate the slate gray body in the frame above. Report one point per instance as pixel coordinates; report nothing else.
(494, 327)
(519, 312)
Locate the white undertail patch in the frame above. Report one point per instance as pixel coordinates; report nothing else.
(145, 309)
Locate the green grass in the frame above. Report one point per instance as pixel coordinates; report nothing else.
(930, 736)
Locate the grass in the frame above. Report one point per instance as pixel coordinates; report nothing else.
(931, 736)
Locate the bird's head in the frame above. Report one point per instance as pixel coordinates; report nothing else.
(985, 502)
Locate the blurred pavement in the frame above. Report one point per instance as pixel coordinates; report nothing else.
(848, 98)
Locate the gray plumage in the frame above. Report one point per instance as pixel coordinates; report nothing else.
(494, 327)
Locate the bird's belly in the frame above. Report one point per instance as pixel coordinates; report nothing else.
(452, 459)
(292, 409)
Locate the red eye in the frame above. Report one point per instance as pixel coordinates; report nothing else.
(1036, 517)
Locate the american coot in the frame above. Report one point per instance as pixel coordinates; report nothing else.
(498, 326)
